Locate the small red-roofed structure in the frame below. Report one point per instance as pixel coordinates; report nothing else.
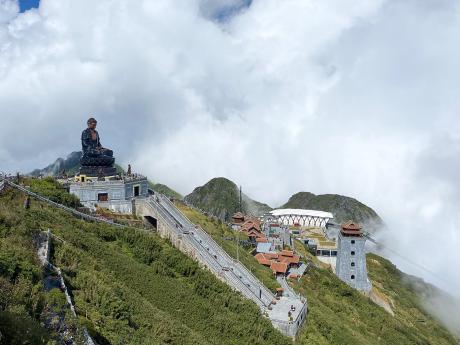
(278, 267)
(261, 240)
(351, 228)
(238, 218)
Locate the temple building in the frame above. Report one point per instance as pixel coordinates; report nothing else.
(98, 184)
(351, 257)
(113, 193)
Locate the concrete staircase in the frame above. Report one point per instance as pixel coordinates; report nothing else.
(286, 313)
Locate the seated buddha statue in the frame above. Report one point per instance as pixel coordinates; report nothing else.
(94, 154)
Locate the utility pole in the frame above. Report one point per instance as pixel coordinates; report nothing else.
(238, 234)
(241, 202)
(237, 245)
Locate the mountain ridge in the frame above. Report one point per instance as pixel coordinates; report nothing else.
(343, 208)
(220, 197)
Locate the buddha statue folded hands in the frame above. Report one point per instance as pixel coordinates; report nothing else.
(96, 159)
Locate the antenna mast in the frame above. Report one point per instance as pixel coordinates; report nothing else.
(241, 202)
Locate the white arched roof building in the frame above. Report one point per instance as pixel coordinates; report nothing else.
(291, 216)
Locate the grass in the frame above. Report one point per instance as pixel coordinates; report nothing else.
(227, 239)
(132, 287)
(129, 286)
(341, 315)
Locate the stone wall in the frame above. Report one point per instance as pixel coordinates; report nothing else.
(88, 192)
(290, 328)
(165, 230)
(119, 193)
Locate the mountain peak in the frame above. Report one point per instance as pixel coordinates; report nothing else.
(342, 207)
(220, 197)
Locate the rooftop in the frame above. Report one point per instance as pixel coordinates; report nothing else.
(238, 215)
(263, 247)
(278, 267)
(301, 212)
(351, 229)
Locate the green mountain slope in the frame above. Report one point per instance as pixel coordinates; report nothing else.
(220, 197)
(340, 315)
(342, 207)
(164, 189)
(129, 286)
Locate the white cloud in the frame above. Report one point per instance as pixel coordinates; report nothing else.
(351, 97)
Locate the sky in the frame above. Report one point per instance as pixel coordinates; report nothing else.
(25, 5)
(355, 97)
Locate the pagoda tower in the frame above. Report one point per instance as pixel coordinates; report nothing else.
(351, 257)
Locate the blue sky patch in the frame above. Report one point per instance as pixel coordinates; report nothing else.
(25, 5)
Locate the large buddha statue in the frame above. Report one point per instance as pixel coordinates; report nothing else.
(96, 159)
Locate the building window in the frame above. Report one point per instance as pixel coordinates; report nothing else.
(136, 190)
(352, 252)
(352, 264)
(102, 197)
(352, 241)
(352, 276)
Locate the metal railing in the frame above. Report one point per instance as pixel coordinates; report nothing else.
(57, 205)
(219, 249)
(207, 257)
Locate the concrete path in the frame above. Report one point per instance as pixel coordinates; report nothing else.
(287, 313)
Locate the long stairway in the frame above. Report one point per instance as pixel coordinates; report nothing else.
(286, 313)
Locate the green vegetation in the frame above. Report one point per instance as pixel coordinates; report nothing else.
(129, 286)
(227, 239)
(220, 197)
(342, 207)
(341, 315)
(53, 190)
(132, 287)
(21, 298)
(164, 189)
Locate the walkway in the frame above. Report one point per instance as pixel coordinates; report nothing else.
(208, 252)
(233, 272)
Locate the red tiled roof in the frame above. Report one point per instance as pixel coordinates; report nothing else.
(261, 240)
(350, 225)
(252, 221)
(271, 256)
(255, 233)
(289, 260)
(262, 259)
(248, 225)
(287, 253)
(295, 259)
(238, 215)
(279, 267)
(351, 228)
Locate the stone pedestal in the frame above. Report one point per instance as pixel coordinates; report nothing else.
(98, 171)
